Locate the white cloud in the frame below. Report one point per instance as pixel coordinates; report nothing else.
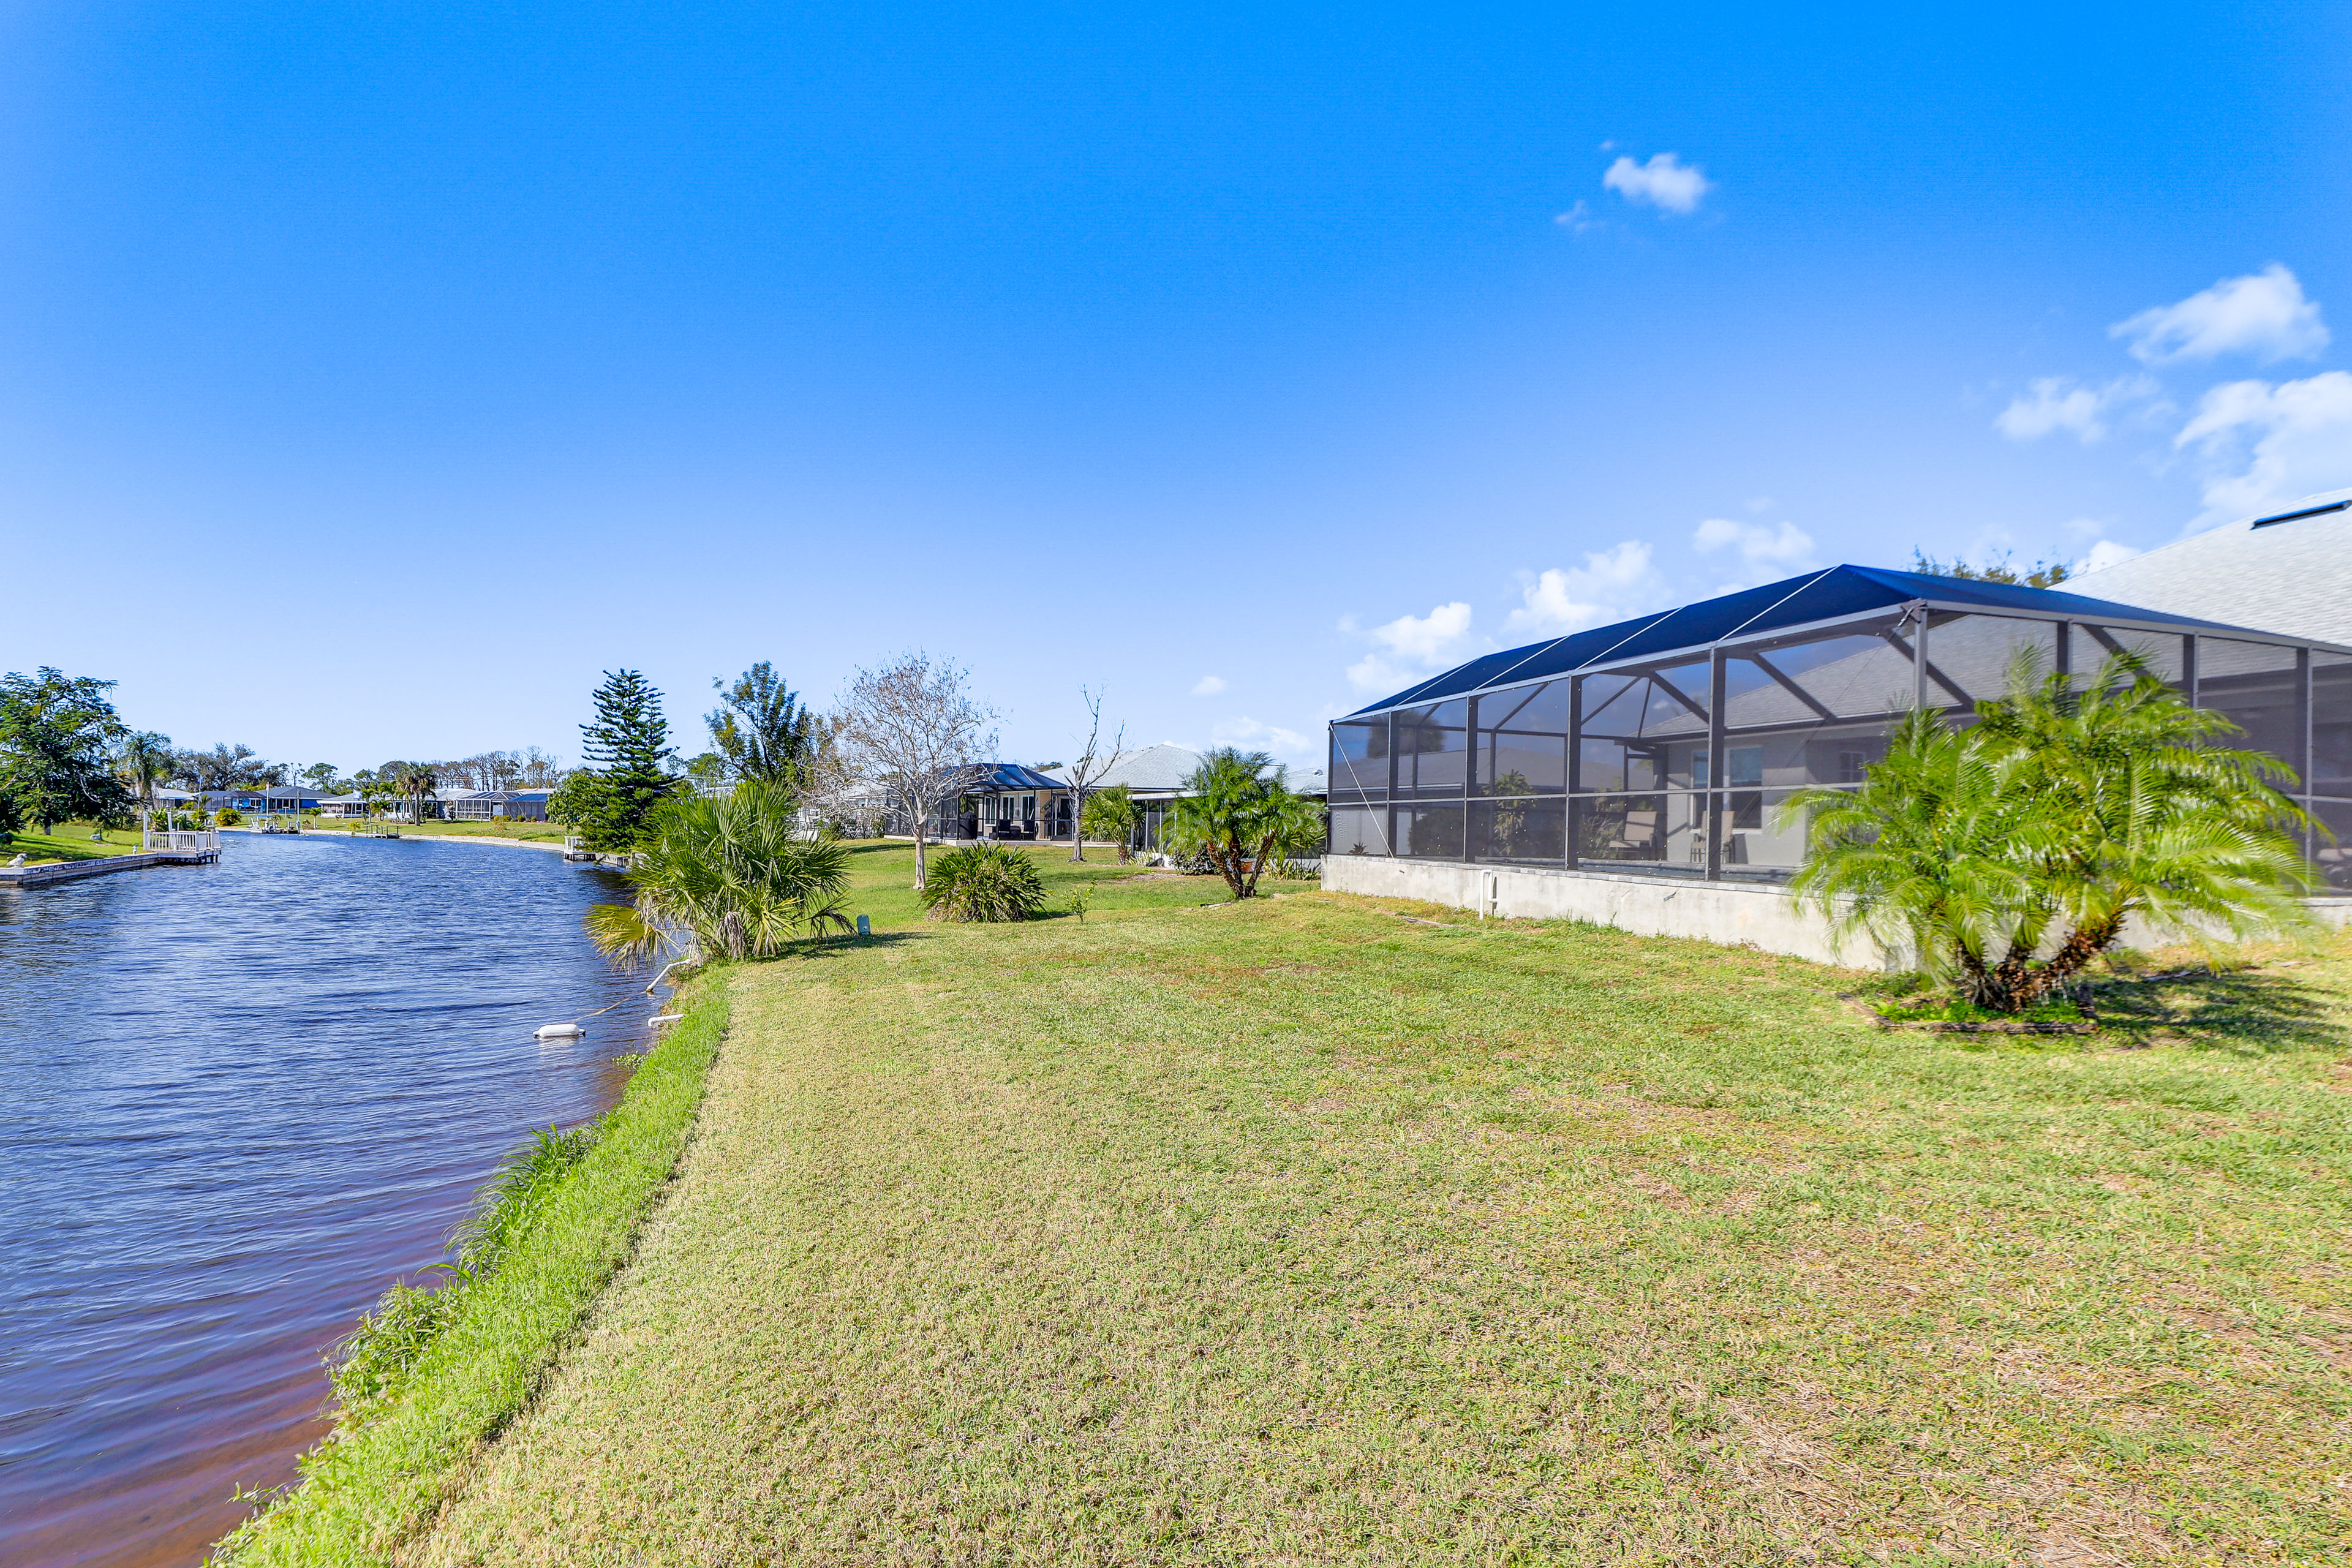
(1246, 730)
(1410, 643)
(1577, 219)
(1767, 553)
(1665, 181)
(2106, 552)
(2265, 444)
(2053, 403)
(1611, 584)
(1208, 686)
(2263, 314)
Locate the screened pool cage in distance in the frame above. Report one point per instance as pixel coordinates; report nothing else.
(1665, 746)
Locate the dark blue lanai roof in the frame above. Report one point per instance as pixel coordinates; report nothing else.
(1825, 596)
(1008, 778)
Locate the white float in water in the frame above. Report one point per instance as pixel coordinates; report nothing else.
(559, 1032)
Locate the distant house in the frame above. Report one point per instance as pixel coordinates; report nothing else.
(263, 798)
(499, 806)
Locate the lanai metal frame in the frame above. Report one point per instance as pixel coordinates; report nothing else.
(1726, 684)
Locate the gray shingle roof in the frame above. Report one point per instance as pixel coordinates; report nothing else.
(2293, 577)
(1160, 767)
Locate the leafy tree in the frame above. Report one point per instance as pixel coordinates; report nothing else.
(1109, 815)
(2063, 810)
(322, 777)
(1239, 811)
(628, 746)
(760, 731)
(573, 802)
(730, 877)
(2041, 574)
(57, 737)
(225, 767)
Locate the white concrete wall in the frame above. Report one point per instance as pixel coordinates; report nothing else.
(1733, 913)
(1757, 915)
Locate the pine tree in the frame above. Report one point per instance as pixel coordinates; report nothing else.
(628, 749)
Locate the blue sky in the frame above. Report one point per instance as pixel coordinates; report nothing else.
(373, 377)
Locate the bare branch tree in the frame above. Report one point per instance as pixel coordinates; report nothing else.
(1086, 774)
(913, 728)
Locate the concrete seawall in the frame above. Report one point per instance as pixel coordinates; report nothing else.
(72, 870)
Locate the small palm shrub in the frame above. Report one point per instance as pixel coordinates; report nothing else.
(737, 877)
(986, 882)
(1242, 816)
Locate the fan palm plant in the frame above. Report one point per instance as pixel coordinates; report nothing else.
(984, 881)
(734, 877)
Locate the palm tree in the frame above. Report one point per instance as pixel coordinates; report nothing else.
(141, 759)
(730, 877)
(2159, 821)
(1923, 856)
(417, 781)
(1239, 814)
(2063, 809)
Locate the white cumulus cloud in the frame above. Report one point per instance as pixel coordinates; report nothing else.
(2106, 552)
(2054, 403)
(1248, 731)
(1612, 584)
(2265, 444)
(2262, 314)
(1664, 182)
(1208, 686)
(1766, 553)
(1408, 646)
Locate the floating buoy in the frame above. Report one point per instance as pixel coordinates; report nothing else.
(664, 1018)
(559, 1032)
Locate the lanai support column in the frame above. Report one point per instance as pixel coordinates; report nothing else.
(1717, 765)
(1575, 766)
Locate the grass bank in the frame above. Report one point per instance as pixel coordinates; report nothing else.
(71, 841)
(1294, 1232)
(532, 832)
(372, 1486)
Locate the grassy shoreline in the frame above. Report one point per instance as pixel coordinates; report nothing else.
(1295, 1232)
(370, 1487)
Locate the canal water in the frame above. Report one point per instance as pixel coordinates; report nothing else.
(241, 1101)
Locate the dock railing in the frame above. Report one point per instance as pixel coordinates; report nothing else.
(182, 841)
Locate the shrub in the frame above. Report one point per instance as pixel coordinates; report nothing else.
(730, 877)
(986, 881)
(229, 816)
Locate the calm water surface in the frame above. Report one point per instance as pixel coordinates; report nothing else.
(241, 1099)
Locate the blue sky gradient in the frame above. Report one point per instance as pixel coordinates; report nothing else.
(373, 377)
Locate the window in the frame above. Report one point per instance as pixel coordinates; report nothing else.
(1850, 767)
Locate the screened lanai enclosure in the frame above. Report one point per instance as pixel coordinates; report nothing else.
(1665, 746)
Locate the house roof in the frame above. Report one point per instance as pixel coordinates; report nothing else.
(1160, 767)
(1824, 595)
(2281, 572)
(1003, 778)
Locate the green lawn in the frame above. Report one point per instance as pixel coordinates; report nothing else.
(1295, 1232)
(71, 841)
